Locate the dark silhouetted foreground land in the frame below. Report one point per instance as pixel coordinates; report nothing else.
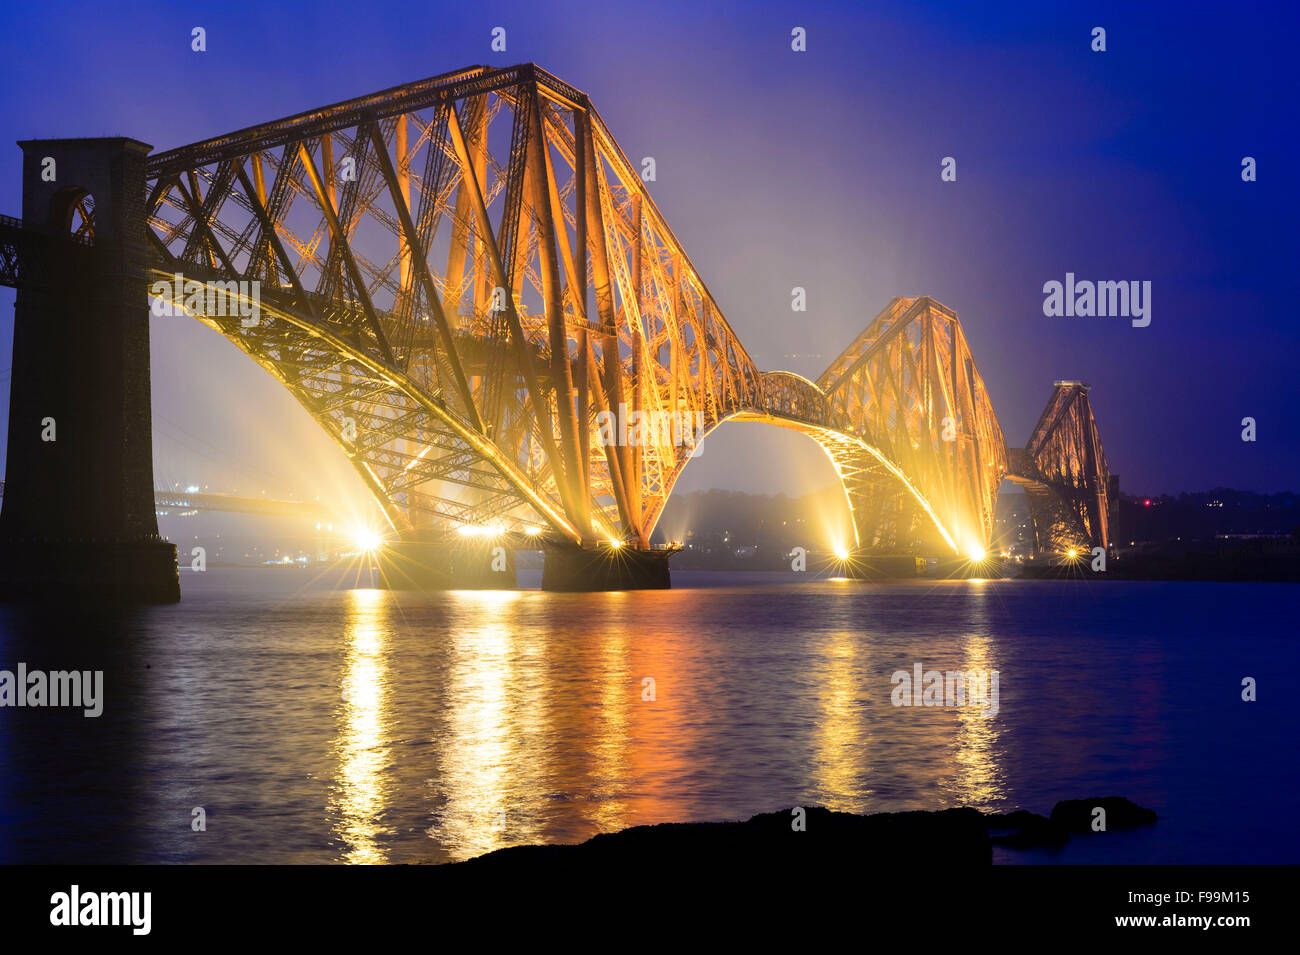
(770, 841)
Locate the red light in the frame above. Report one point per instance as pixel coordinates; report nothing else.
(1147, 502)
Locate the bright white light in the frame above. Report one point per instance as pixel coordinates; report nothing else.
(192, 489)
(473, 530)
(977, 553)
(841, 553)
(533, 531)
(614, 543)
(367, 540)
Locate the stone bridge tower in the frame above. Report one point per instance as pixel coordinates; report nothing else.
(78, 519)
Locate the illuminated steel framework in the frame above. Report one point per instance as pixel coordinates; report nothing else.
(1063, 471)
(458, 275)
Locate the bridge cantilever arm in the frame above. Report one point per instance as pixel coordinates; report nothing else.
(421, 266)
(469, 182)
(345, 250)
(553, 243)
(1043, 433)
(201, 219)
(273, 237)
(617, 454)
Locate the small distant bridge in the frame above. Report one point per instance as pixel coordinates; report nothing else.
(266, 507)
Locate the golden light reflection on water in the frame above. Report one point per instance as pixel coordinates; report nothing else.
(520, 725)
(661, 748)
(357, 797)
(841, 749)
(485, 729)
(978, 780)
(610, 741)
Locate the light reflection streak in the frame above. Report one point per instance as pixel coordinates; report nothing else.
(979, 780)
(840, 747)
(611, 736)
(358, 797)
(477, 761)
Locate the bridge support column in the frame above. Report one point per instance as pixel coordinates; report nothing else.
(78, 520)
(440, 565)
(878, 567)
(571, 568)
(901, 567)
(963, 568)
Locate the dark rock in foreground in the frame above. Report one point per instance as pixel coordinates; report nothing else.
(1023, 829)
(767, 840)
(1076, 815)
(770, 841)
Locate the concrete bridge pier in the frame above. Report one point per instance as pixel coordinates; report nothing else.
(863, 566)
(78, 520)
(964, 568)
(570, 568)
(416, 564)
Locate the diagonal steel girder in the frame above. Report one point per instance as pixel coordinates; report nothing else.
(511, 301)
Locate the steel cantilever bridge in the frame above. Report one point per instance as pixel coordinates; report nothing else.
(457, 276)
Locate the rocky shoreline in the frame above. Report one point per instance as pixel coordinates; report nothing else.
(814, 836)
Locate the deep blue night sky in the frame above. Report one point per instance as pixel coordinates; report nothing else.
(819, 169)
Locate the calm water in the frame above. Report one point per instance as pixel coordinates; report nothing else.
(315, 723)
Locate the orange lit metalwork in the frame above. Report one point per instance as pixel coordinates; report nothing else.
(1071, 492)
(459, 275)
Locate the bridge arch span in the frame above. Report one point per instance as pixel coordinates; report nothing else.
(338, 383)
(795, 403)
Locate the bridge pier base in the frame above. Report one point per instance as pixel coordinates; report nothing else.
(438, 565)
(569, 568)
(963, 568)
(878, 567)
(88, 572)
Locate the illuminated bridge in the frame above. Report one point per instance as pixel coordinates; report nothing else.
(460, 279)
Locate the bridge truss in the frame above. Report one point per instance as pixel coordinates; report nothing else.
(1072, 494)
(456, 277)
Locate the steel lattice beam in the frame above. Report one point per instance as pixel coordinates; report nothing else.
(474, 295)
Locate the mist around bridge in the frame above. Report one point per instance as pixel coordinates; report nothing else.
(646, 454)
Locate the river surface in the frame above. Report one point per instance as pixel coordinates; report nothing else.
(313, 721)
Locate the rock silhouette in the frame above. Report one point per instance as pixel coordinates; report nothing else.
(771, 841)
(1076, 815)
